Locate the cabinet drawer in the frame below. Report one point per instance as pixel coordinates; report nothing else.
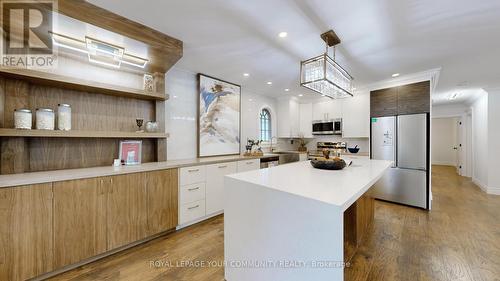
(191, 211)
(248, 165)
(192, 192)
(190, 175)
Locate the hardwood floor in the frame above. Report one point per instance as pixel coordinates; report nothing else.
(458, 240)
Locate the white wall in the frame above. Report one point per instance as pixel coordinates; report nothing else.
(444, 138)
(494, 141)
(181, 110)
(480, 141)
(452, 110)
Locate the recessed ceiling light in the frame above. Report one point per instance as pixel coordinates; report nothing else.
(395, 75)
(286, 90)
(283, 34)
(246, 74)
(301, 95)
(269, 83)
(250, 99)
(175, 97)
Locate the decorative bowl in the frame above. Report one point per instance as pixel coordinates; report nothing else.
(328, 164)
(353, 149)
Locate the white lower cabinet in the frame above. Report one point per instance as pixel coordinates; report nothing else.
(191, 193)
(215, 185)
(191, 211)
(201, 188)
(248, 165)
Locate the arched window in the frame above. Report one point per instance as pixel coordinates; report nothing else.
(265, 125)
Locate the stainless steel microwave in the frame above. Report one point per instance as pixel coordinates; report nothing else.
(327, 127)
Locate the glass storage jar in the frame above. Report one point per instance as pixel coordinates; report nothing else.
(23, 119)
(45, 119)
(64, 117)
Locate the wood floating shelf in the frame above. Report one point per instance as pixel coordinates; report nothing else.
(60, 81)
(79, 134)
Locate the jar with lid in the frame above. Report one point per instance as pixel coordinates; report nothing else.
(64, 117)
(23, 119)
(45, 119)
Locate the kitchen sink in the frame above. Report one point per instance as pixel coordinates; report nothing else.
(287, 157)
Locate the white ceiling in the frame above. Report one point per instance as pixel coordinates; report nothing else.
(380, 37)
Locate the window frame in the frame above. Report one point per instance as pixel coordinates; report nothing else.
(265, 120)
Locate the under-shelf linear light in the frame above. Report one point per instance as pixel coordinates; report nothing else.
(98, 51)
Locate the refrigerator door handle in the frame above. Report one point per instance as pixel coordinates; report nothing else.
(396, 141)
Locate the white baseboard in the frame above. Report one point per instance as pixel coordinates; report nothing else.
(480, 184)
(444, 163)
(493, 190)
(485, 188)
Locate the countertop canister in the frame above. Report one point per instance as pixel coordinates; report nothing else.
(23, 119)
(45, 119)
(63, 117)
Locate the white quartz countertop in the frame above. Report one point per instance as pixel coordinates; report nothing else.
(341, 188)
(82, 173)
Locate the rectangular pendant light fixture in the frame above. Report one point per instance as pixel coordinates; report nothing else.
(98, 51)
(324, 75)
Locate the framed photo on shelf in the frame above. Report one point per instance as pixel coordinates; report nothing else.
(131, 152)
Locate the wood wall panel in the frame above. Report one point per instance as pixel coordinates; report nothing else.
(55, 154)
(358, 218)
(14, 156)
(91, 111)
(79, 220)
(162, 190)
(2, 102)
(26, 246)
(16, 96)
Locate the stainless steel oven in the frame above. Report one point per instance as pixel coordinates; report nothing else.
(327, 127)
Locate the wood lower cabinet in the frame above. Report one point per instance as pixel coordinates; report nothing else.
(162, 200)
(126, 209)
(26, 246)
(79, 220)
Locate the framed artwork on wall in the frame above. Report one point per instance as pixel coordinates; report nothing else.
(219, 114)
(130, 152)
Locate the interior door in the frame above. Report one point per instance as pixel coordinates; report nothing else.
(412, 142)
(458, 146)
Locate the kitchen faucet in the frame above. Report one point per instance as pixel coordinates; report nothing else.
(271, 144)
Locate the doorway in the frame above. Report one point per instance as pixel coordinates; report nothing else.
(446, 148)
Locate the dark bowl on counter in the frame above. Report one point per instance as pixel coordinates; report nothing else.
(329, 164)
(353, 149)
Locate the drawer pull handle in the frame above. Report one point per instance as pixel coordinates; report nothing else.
(194, 207)
(194, 188)
(193, 170)
(249, 163)
(221, 167)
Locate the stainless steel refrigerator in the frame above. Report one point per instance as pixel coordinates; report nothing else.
(403, 139)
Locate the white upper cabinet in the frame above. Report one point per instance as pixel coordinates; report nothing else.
(326, 110)
(305, 122)
(288, 118)
(356, 116)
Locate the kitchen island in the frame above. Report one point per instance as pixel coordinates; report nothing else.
(288, 222)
